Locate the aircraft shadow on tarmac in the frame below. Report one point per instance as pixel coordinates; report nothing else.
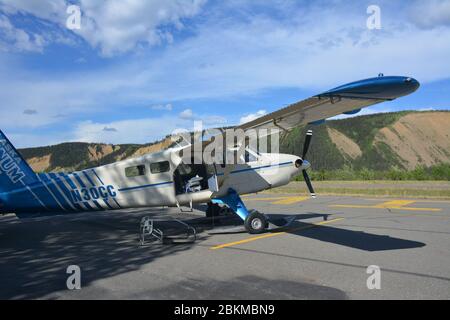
(245, 287)
(349, 238)
(34, 255)
(344, 237)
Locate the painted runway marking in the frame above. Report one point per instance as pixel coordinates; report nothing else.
(263, 199)
(291, 200)
(270, 235)
(416, 200)
(280, 200)
(393, 204)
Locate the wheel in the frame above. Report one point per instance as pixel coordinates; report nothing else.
(255, 223)
(213, 210)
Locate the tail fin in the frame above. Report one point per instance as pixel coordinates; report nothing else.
(14, 170)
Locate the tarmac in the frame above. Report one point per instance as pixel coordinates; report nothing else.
(324, 254)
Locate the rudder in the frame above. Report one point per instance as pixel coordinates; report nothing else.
(15, 172)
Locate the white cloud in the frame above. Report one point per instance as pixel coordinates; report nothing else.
(163, 107)
(114, 27)
(51, 10)
(235, 57)
(142, 130)
(225, 55)
(213, 120)
(186, 114)
(31, 139)
(126, 131)
(252, 116)
(120, 26)
(431, 13)
(15, 39)
(363, 112)
(130, 131)
(208, 120)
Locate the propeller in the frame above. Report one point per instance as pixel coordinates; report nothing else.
(308, 183)
(307, 143)
(305, 151)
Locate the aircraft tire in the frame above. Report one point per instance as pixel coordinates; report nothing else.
(255, 223)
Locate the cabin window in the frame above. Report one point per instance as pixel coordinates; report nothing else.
(160, 167)
(135, 171)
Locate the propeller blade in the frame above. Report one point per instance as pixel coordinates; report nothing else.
(307, 143)
(308, 183)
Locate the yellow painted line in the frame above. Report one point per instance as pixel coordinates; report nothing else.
(434, 201)
(351, 206)
(266, 199)
(394, 204)
(416, 209)
(280, 200)
(270, 235)
(291, 200)
(416, 200)
(376, 207)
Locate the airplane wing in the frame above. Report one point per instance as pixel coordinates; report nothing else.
(347, 99)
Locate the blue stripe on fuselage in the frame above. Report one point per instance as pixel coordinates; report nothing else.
(106, 201)
(66, 178)
(89, 179)
(146, 186)
(219, 174)
(55, 192)
(63, 188)
(257, 168)
(98, 177)
(79, 180)
(93, 185)
(74, 187)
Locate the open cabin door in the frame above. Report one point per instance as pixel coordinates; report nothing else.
(194, 183)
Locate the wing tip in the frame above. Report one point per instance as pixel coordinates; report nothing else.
(383, 88)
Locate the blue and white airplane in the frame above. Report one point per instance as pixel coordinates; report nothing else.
(164, 179)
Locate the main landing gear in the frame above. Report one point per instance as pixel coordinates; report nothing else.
(254, 221)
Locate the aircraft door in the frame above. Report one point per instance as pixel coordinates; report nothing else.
(162, 172)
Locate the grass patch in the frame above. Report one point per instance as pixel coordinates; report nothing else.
(439, 172)
(418, 189)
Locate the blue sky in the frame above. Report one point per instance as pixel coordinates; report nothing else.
(137, 70)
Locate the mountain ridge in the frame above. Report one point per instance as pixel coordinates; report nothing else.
(402, 140)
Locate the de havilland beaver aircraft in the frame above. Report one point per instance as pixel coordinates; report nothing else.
(164, 179)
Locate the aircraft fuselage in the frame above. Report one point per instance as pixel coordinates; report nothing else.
(134, 183)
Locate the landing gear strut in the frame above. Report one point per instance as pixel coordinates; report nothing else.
(254, 221)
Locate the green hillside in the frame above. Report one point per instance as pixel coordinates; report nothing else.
(388, 142)
(324, 154)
